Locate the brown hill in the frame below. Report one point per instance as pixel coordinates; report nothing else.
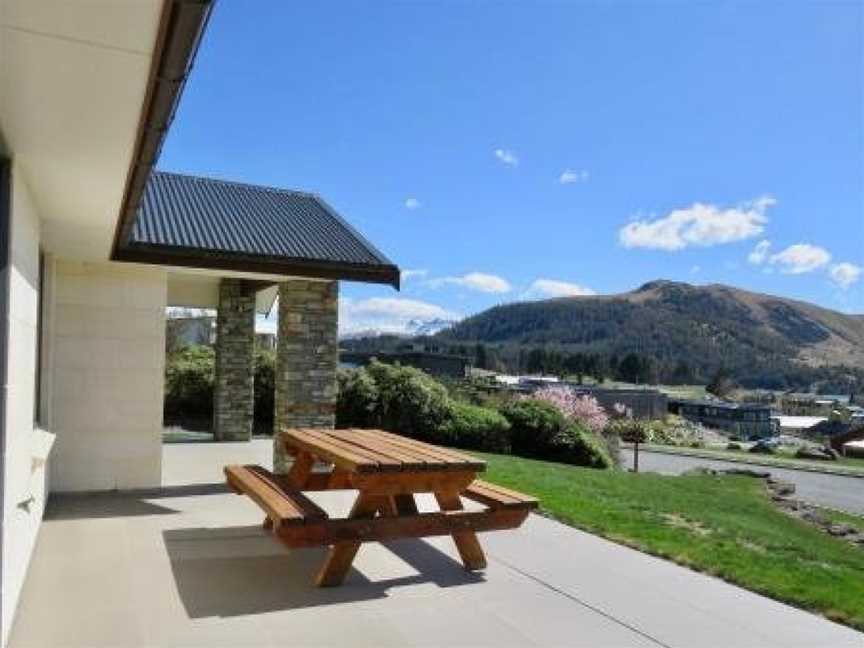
(757, 337)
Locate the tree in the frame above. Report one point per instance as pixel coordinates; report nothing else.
(480, 358)
(721, 384)
(635, 368)
(683, 374)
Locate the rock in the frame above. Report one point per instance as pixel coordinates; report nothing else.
(816, 518)
(700, 470)
(817, 454)
(748, 472)
(782, 488)
(839, 529)
(761, 448)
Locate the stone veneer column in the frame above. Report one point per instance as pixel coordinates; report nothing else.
(307, 354)
(234, 377)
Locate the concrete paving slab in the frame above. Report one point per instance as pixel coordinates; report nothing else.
(191, 566)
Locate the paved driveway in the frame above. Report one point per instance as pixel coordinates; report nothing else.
(190, 566)
(835, 491)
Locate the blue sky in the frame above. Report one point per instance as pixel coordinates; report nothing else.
(512, 150)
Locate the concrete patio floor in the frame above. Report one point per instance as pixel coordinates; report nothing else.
(190, 566)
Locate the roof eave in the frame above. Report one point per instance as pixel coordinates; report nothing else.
(387, 274)
(181, 27)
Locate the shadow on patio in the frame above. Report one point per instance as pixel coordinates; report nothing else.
(215, 578)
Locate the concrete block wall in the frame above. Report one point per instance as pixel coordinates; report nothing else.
(24, 492)
(107, 376)
(307, 355)
(234, 372)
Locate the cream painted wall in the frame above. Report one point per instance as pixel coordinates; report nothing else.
(108, 361)
(25, 491)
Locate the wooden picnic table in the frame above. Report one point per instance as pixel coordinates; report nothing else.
(387, 470)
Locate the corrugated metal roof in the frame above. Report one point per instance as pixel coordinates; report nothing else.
(203, 216)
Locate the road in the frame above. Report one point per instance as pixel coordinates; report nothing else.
(834, 491)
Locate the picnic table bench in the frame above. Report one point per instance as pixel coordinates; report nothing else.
(387, 470)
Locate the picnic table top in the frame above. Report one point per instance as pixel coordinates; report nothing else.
(371, 451)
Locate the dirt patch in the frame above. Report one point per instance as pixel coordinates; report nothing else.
(680, 522)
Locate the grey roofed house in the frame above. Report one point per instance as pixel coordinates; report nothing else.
(96, 246)
(193, 221)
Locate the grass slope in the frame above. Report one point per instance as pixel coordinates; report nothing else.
(721, 525)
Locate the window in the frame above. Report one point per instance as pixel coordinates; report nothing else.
(37, 391)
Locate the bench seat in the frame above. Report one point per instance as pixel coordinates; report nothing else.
(284, 506)
(498, 497)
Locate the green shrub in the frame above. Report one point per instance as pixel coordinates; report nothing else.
(357, 405)
(476, 428)
(400, 399)
(264, 390)
(675, 431)
(576, 444)
(189, 383)
(630, 430)
(539, 429)
(533, 425)
(189, 376)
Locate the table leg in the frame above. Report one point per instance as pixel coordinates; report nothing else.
(300, 469)
(405, 504)
(342, 554)
(466, 541)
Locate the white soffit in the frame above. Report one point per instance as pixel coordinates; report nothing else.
(73, 78)
(198, 290)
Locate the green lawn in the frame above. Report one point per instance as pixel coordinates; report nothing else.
(855, 521)
(722, 525)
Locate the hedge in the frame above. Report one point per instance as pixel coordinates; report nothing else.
(189, 388)
(407, 401)
(539, 429)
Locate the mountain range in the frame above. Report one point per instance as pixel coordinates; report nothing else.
(686, 333)
(762, 340)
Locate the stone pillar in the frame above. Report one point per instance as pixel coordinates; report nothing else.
(307, 354)
(234, 378)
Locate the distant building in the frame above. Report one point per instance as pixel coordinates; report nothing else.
(746, 420)
(189, 331)
(642, 403)
(793, 404)
(798, 424)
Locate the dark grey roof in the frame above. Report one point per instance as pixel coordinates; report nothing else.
(216, 223)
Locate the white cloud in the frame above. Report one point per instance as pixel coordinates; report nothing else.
(386, 314)
(405, 275)
(759, 253)
(800, 258)
(845, 274)
(696, 269)
(507, 156)
(478, 281)
(542, 288)
(569, 176)
(700, 225)
(412, 204)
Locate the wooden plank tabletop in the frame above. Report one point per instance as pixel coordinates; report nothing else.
(369, 451)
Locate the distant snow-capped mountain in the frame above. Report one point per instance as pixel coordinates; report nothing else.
(411, 328)
(428, 327)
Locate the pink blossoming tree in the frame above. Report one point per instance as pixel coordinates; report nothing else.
(582, 409)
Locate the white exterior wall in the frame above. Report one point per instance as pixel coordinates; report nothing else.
(25, 491)
(108, 357)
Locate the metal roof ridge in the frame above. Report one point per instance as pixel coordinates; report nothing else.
(237, 183)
